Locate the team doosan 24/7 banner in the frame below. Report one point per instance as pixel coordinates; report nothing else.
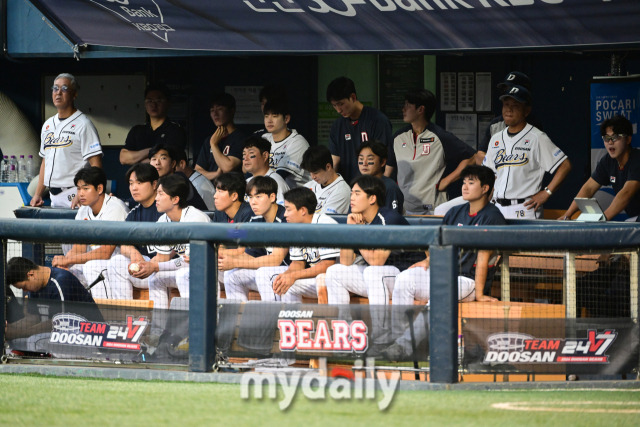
(346, 25)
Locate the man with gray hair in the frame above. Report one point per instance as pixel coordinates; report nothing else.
(68, 142)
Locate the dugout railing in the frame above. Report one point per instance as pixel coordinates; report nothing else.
(443, 243)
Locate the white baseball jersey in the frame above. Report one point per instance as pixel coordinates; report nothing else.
(283, 187)
(332, 199)
(65, 146)
(189, 214)
(520, 161)
(286, 155)
(205, 188)
(113, 209)
(314, 255)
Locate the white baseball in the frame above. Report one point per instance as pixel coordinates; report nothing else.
(134, 268)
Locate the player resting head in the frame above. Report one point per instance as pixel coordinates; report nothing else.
(372, 158)
(300, 205)
(319, 163)
(173, 191)
(24, 274)
(222, 109)
(163, 157)
(367, 192)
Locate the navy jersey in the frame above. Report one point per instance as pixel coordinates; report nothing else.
(14, 308)
(402, 260)
(243, 214)
(394, 199)
(231, 145)
(143, 136)
(256, 252)
(459, 215)
(141, 214)
(347, 135)
(609, 173)
(63, 286)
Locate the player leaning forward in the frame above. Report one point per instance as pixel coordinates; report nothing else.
(520, 155)
(290, 284)
(171, 263)
(476, 269)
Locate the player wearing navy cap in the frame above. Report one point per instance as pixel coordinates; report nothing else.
(520, 155)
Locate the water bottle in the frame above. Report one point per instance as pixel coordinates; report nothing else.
(13, 169)
(4, 170)
(30, 171)
(22, 169)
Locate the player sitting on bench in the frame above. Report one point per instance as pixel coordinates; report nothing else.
(476, 276)
(290, 284)
(240, 265)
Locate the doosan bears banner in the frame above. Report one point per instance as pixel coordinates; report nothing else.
(346, 25)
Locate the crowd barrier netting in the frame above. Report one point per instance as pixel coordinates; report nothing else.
(566, 299)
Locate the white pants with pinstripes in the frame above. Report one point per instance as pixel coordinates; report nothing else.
(373, 282)
(415, 284)
(300, 288)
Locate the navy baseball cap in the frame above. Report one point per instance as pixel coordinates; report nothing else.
(519, 93)
(515, 78)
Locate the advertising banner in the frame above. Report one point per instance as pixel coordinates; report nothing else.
(345, 25)
(551, 346)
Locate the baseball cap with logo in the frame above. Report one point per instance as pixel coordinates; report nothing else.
(519, 93)
(515, 78)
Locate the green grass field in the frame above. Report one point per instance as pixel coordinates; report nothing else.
(38, 401)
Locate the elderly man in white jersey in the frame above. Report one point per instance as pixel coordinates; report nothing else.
(87, 262)
(520, 155)
(68, 141)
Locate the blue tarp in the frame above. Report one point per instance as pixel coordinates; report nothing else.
(347, 25)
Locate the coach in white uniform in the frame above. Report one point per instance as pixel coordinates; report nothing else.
(68, 141)
(520, 155)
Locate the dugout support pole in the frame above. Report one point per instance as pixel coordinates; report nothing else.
(203, 300)
(3, 294)
(443, 325)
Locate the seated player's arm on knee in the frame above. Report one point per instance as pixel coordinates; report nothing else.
(375, 256)
(482, 269)
(131, 252)
(317, 268)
